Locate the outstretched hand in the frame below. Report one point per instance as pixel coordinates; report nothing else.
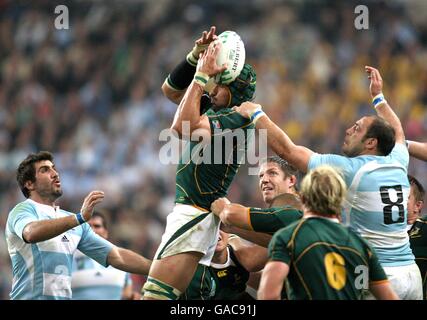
(376, 86)
(207, 37)
(247, 109)
(92, 199)
(207, 61)
(203, 42)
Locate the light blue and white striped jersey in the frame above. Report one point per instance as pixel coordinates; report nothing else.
(92, 281)
(43, 270)
(376, 202)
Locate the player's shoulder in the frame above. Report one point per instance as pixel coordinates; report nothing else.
(398, 153)
(26, 206)
(292, 230)
(422, 220)
(261, 210)
(221, 112)
(286, 210)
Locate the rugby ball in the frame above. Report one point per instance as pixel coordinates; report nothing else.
(232, 53)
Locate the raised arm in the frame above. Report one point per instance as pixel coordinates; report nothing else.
(277, 139)
(42, 230)
(382, 107)
(188, 112)
(180, 78)
(418, 150)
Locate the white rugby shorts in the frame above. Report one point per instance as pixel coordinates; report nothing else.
(189, 228)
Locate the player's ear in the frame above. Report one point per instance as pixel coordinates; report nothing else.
(371, 143)
(29, 185)
(293, 180)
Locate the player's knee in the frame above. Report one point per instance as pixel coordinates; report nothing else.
(158, 290)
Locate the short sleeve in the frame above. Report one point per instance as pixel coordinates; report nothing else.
(376, 271)
(400, 153)
(270, 221)
(277, 249)
(343, 164)
(94, 246)
(20, 216)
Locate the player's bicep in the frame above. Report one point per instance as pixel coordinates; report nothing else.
(251, 256)
(174, 95)
(264, 222)
(418, 150)
(199, 131)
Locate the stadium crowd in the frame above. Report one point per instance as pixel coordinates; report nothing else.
(91, 94)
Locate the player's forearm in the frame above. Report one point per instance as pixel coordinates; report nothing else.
(259, 238)
(283, 146)
(385, 112)
(418, 150)
(188, 112)
(47, 229)
(383, 291)
(128, 261)
(269, 288)
(235, 215)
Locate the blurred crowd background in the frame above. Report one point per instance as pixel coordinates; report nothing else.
(91, 94)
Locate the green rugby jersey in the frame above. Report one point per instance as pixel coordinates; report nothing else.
(272, 219)
(202, 286)
(231, 278)
(323, 256)
(418, 239)
(201, 184)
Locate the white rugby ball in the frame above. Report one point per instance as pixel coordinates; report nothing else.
(232, 53)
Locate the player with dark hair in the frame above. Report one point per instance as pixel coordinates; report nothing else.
(192, 230)
(42, 238)
(375, 169)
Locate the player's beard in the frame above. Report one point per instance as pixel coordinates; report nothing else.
(51, 193)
